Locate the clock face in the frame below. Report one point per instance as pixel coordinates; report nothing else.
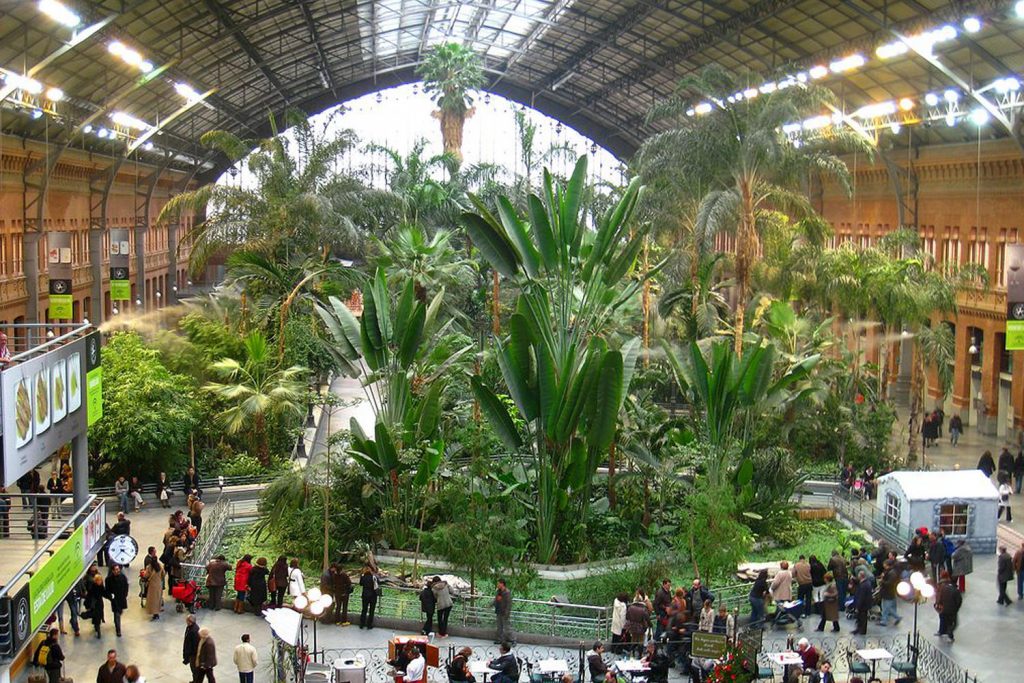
(122, 549)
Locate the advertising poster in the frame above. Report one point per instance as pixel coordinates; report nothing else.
(61, 273)
(120, 285)
(93, 378)
(1014, 278)
(58, 574)
(42, 405)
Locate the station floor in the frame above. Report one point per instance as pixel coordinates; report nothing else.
(986, 638)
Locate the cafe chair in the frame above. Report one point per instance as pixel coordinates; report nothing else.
(856, 667)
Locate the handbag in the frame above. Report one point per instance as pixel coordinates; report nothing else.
(272, 584)
(163, 494)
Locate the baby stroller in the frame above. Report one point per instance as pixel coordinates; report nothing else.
(874, 614)
(787, 613)
(186, 593)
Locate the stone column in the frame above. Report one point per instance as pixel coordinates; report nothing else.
(1017, 391)
(80, 468)
(962, 371)
(987, 422)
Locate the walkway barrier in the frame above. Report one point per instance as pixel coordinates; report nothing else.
(863, 514)
(215, 521)
(12, 586)
(207, 485)
(566, 620)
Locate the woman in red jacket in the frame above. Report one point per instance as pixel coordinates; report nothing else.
(242, 570)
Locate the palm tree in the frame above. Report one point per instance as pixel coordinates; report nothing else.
(286, 205)
(256, 390)
(430, 264)
(275, 286)
(450, 73)
(739, 151)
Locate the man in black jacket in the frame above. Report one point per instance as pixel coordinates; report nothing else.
(662, 600)
(863, 599)
(427, 605)
(117, 592)
(191, 483)
(191, 644)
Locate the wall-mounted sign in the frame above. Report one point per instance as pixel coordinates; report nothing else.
(61, 273)
(120, 285)
(46, 402)
(1014, 278)
(708, 645)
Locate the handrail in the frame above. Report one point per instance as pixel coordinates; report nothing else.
(91, 504)
(28, 353)
(208, 483)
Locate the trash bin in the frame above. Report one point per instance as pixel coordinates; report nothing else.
(347, 670)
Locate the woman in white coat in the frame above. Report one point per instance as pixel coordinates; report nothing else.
(296, 582)
(619, 621)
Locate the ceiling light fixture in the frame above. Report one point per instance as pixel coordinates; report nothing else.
(979, 117)
(129, 56)
(703, 108)
(186, 91)
(931, 99)
(951, 96)
(129, 121)
(874, 111)
(59, 13)
(820, 71)
(854, 61)
(972, 24)
(23, 83)
(750, 93)
(906, 104)
(54, 94)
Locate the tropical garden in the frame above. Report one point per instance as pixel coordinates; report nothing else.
(559, 370)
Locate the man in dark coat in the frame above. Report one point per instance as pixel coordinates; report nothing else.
(986, 464)
(1005, 464)
(662, 600)
(111, 671)
(427, 605)
(863, 601)
(117, 592)
(341, 585)
(190, 644)
(947, 604)
(936, 555)
(1004, 574)
(190, 484)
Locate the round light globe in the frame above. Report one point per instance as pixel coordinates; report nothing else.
(904, 589)
(300, 602)
(316, 609)
(313, 594)
(917, 580)
(928, 591)
(326, 600)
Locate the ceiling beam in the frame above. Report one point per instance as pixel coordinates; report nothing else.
(225, 19)
(314, 35)
(715, 33)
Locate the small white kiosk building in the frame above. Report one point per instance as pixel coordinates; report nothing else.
(963, 503)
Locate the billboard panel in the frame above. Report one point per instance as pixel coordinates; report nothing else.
(1014, 279)
(41, 403)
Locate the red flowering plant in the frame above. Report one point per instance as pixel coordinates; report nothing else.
(735, 666)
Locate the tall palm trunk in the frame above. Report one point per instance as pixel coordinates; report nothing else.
(452, 124)
(916, 389)
(745, 246)
(496, 305)
(646, 327)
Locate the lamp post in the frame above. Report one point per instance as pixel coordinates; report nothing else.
(314, 603)
(919, 591)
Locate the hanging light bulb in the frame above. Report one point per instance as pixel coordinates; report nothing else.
(973, 348)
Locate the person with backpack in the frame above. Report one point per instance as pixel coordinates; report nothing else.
(49, 656)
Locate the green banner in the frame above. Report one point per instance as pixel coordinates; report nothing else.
(1015, 335)
(94, 394)
(51, 582)
(708, 645)
(120, 290)
(61, 306)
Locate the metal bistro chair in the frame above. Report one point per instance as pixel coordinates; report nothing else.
(856, 667)
(904, 667)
